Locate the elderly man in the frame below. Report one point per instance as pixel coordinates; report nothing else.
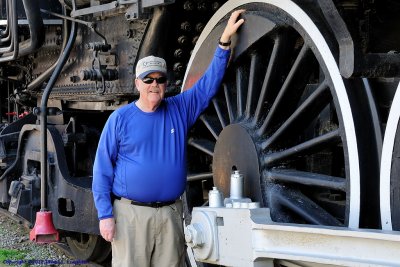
(141, 162)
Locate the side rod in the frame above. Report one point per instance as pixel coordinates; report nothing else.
(248, 237)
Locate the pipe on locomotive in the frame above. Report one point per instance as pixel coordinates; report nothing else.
(43, 113)
(12, 25)
(36, 30)
(13, 47)
(5, 34)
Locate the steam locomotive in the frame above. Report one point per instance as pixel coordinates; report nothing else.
(308, 110)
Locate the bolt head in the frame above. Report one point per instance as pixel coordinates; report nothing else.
(194, 236)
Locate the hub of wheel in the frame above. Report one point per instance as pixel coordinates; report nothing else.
(236, 149)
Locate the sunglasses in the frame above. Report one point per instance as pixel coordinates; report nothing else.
(159, 80)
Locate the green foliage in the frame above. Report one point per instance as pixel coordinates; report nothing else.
(10, 254)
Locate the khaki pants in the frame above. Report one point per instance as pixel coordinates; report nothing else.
(148, 236)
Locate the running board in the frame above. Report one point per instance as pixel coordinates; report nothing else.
(248, 237)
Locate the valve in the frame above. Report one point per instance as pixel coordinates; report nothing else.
(95, 75)
(96, 46)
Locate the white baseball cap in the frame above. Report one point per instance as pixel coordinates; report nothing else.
(150, 64)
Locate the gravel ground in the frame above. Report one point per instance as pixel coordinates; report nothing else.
(14, 238)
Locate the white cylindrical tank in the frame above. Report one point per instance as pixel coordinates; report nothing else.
(215, 198)
(236, 185)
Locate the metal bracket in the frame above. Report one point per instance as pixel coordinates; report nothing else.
(100, 8)
(94, 9)
(152, 3)
(133, 12)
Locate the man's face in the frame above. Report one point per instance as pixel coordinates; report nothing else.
(152, 88)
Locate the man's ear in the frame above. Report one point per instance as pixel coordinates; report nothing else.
(137, 84)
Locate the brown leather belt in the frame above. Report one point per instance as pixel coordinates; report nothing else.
(148, 204)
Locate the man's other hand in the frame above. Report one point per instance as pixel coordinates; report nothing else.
(107, 229)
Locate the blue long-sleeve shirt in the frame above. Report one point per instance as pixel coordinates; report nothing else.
(142, 156)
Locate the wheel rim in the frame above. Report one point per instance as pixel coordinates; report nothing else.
(389, 187)
(283, 126)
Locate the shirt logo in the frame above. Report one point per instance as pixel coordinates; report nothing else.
(172, 130)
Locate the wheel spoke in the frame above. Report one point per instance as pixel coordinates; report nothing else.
(305, 113)
(199, 176)
(203, 145)
(301, 205)
(240, 89)
(271, 71)
(228, 102)
(212, 125)
(306, 178)
(219, 113)
(313, 145)
(294, 79)
(252, 84)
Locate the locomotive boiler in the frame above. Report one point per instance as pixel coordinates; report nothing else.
(308, 110)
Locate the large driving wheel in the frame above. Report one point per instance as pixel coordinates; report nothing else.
(89, 247)
(283, 117)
